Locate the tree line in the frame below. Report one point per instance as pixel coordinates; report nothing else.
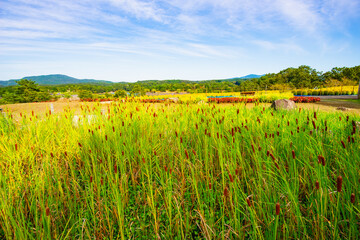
(287, 79)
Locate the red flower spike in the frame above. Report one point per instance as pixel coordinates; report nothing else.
(352, 198)
(343, 144)
(231, 178)
(194, 152)
(248, 201)
(277, 209)
(317, 186)
(339, 183)
(226, 192)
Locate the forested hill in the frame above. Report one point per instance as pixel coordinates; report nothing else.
(57, 79)
(54, 79)
(289, 78)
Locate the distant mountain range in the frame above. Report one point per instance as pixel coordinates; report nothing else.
(53, 79)
(250, 76)
(57, 79)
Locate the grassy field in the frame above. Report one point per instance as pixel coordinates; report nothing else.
(178, 171)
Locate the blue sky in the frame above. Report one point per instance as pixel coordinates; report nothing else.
(130, 40)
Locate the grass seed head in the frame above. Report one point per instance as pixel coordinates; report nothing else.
(277, 209)
(187, 154)
(317, 185)
(352, 198)
(339, 182)
(248, 201)
(226, 192)
(231, 178)
(343, 144)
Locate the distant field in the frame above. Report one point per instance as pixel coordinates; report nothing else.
(40, 108)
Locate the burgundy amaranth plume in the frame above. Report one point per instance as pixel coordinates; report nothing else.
(277, 209)
(317, 185)
(231, 178)
(187, 154)
(343, 144)
(248, 201)
(321, 160)
(339, 182)
(226, 192)
(352, 198)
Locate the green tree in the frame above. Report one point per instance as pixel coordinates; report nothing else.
(27, 91)
(120, 94)
(86, 94)
(138, 90)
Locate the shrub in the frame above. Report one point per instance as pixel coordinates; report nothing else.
(85, 94)
(305, 99)
(120, 94)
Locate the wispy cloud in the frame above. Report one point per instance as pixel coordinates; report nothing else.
(177, 29)
(140, 9)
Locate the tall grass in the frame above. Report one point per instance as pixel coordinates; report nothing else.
(142, 171)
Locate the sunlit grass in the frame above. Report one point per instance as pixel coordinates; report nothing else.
(179, 171)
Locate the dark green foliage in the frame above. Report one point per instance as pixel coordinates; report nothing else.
(26, 91)
(120, 94)
(85, 94)
(303, 77)
(290, 78)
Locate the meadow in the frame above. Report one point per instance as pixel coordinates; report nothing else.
(133, 170)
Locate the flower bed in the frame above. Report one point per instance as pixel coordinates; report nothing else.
(152, 100)
(305, 99)
(97, 99)
(232, 100)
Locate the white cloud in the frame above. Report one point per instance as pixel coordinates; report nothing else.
(288, 47)
(141, 9)
(205, 30)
